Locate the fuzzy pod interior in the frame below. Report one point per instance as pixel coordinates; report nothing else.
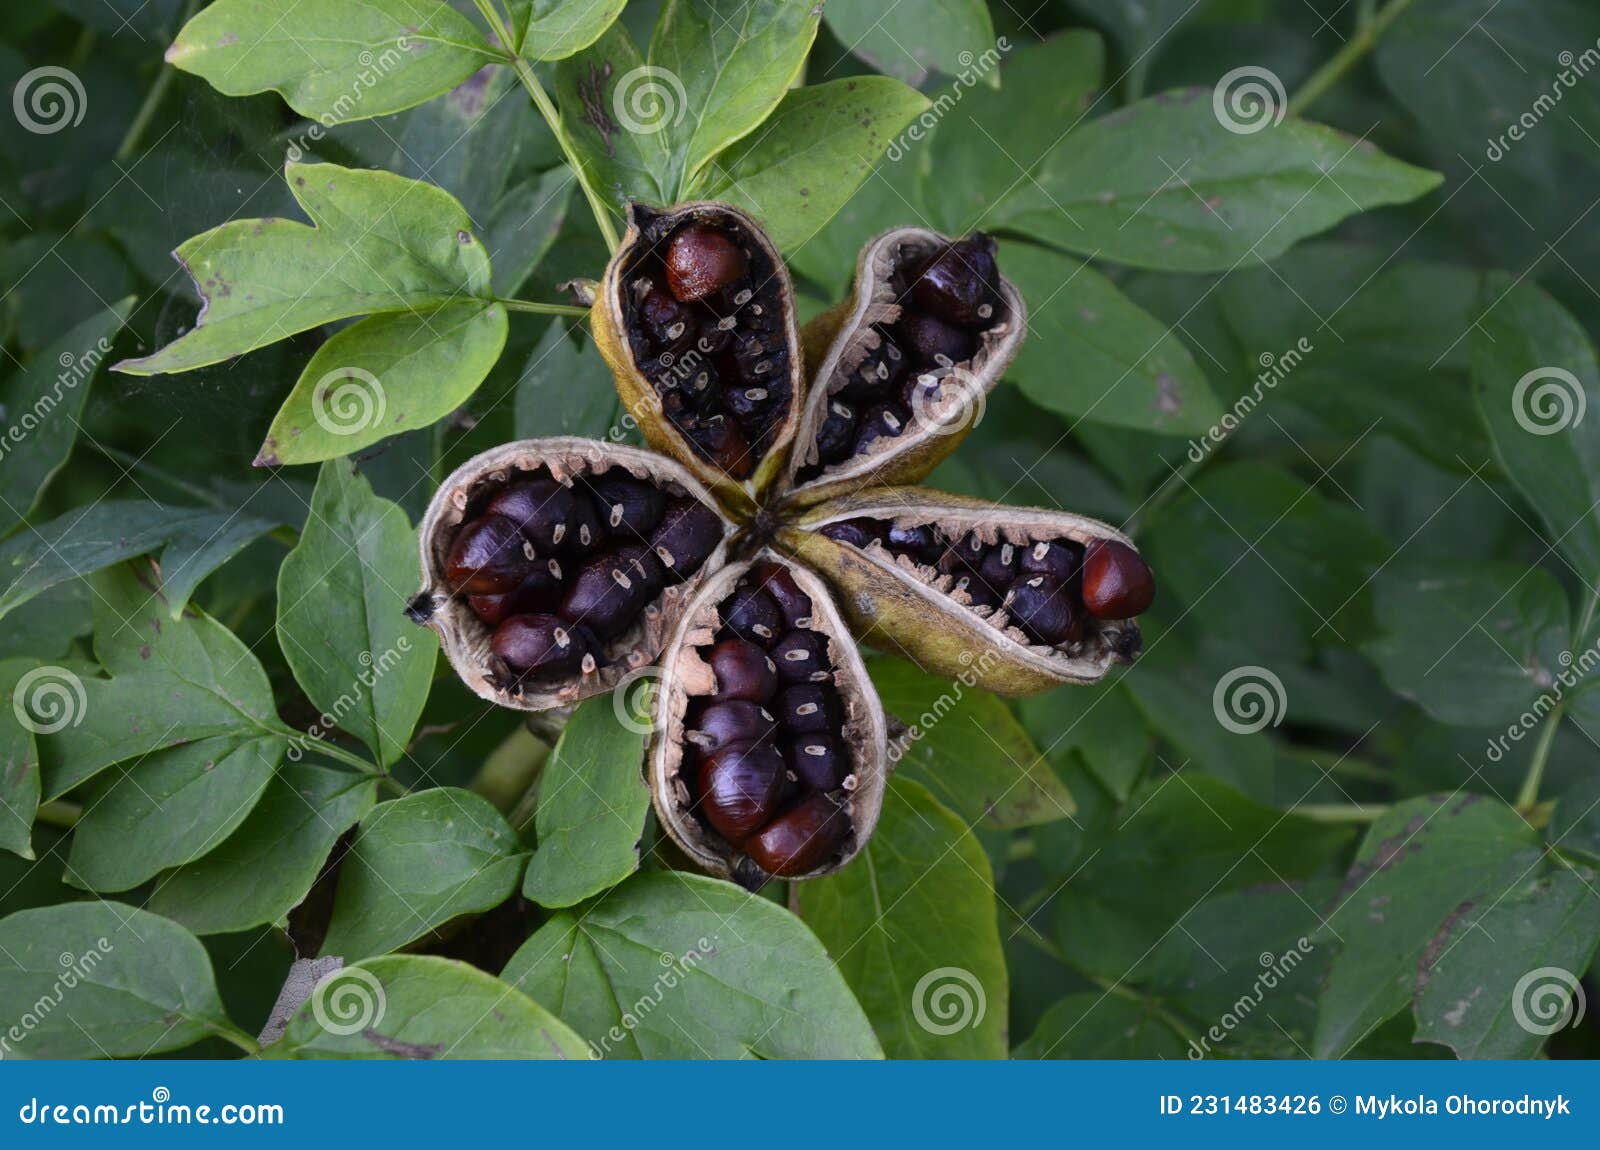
(907, 601)
(887, 403)
(688, 681)
(580, 466)
(696, 317)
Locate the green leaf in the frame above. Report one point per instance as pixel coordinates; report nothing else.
(1473, 644)
(172, 681)
(422, 1007)
(1139, 27)
(19, 764)
(415, 864)
(341, 614)
(1128, 369)
(383, 375)
(1180, 701)
(193, 543)
(377, 242)
(914, 38)
(1098, 1024)
(1164, 184)
(732, 61)
(991, 136)
(594, 88)
(555, 29)
(1497, 980)
(1418, 865)
(104, 980)
(524, 224)
(565, 388)
(672, 965)
(264, 869)
(333, 60)
(592, 805)
(912, 924)
(969, 749)
(1101, 723)
(806, 161)
(168, 808)
(1534, 372)
(43, 405)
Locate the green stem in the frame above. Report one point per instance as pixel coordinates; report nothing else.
(1370, 28)
(542, 308)
(230, 1033)
(1341, 812)
(547, 109)
(1178, 1025)
(1529, 794)
(152, 99)
(59, 814)
(349, 758)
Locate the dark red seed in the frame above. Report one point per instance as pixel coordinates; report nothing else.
(1060, 561)
(801, 839)
(801, 657)
(818, 761)
(856, 532)
(720, 440)
(541, 509)
(932, 342)
(743, 671)
(1117, 584)
(688, 533)
(739, 788)
(1043, 608)
(530, 643)
(607, 593)
(492, 609)
(793, 603)
(750, 613)
(921, 542)
(701, 260)
(628, 508)
(808, 709)
(735, 721)
(538, 594)
(489, 557)
(960, 283)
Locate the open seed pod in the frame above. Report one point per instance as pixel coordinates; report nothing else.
(1034, 597)
(928, 332)
(696, 317)
(770, 750)
(553, 567)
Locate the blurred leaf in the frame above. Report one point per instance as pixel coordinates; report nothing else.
(19, 766)
(523, 226)
(1424, 863)
(1097, 1024)
(592, 803)
(341, 617)
(565, 388)
(417, 862)
(1194, 195)
(420, 1007)
(1139, 27)
(673, 965)
(1101, 723)
(911, 924)
(915, 38)
(263, 870)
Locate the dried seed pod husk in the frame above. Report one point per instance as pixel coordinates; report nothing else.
(849, 333)
(466, 639)
(620, 337)
(685, 676)
(919, 612)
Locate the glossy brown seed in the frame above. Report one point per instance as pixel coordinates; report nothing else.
(721, 441)
(490, 556)
(607, 593)
(688, 533)
(533, 643)
(801, 839)
(739, 788)
(701, 260)
(1117, 583)
(959, 284)
(541, 509)
(735, 721)
(743, 671)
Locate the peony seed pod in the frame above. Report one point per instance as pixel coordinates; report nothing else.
(588, 608)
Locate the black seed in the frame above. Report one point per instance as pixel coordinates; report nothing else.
(793, 603)
(541, 509)
(808, 709)
(800, 655)
(736, 721)
(687, 535)
(856, 532)
(934, 343)
(629, 508)
(751, 614)
(818, 760)
(541, 643)
(959, 284)
(886, 421)
(1060, 561)
(1043, 609)
(921, 542)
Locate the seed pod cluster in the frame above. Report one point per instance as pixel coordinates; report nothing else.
(706, 316)
(770, 745)
(556, 568)
(930, 329)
